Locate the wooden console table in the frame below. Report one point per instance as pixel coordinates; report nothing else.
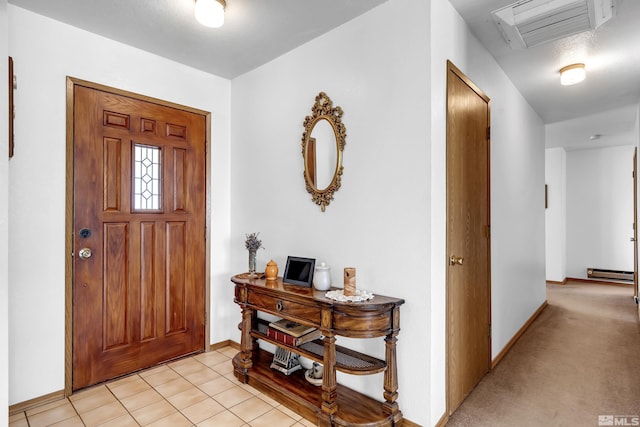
(332, 404)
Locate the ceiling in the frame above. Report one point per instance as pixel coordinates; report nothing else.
(604, 104)
(258, 31)
(255, 31)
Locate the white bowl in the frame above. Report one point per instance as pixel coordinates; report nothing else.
(308, 376)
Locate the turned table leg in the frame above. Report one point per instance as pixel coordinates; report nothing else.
(329, 384)
(390, 406)
(247, 345)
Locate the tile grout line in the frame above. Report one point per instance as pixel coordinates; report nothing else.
(76, 411)
(211, 397)
(162, 395)
(121, 404)
(166, 364)
(136, 376)
(229, 409)
(192, 384)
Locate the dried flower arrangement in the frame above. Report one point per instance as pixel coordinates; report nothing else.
(253, 243)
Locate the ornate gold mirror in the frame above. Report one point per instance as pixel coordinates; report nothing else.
(323, 142)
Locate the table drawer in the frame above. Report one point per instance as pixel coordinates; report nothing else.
(279, 306)
(353, 322)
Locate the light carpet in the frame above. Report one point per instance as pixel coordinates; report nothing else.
(576, 364)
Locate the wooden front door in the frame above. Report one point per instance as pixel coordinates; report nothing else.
(138, 234)
(468, 272)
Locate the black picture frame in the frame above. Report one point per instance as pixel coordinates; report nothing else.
(299, 271)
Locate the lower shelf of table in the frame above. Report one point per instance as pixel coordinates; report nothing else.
(295, 392)
(347, 360)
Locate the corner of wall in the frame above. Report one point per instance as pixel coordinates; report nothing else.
(4, 215)
(555, 214)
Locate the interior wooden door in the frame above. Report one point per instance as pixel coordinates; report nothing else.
(468, 273)
(138, 234)
(636, 291)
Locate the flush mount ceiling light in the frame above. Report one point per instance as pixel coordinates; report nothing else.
(210, 13)
(572, 74)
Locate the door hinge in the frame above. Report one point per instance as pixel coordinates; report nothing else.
(488, 231)
(489, 330)
(489, 132)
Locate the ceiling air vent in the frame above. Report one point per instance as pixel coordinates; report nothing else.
(528, 23)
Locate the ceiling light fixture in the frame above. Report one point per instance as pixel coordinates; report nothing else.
(572, 74)
(210, 13)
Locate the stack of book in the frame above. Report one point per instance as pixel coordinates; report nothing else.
(292, 333)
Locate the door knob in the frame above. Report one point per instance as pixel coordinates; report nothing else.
(455, 260)
(84, 253)
(633, 239)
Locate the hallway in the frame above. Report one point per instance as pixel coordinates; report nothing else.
(578, 363)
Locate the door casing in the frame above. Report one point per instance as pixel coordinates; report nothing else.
(69, 224)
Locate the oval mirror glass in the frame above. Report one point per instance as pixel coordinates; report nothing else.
(322, 154)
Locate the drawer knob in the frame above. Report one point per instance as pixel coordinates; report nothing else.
(280, 305)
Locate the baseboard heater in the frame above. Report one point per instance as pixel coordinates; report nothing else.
(599, 273)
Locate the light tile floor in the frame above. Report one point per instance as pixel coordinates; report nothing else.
(195, 391)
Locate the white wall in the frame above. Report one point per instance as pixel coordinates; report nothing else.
(388, 220)
(517, 192)
(599, 210)
(556, 214)
(4, 220)
(376, 68)
(45, 52)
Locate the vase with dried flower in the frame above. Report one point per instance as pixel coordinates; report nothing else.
(252, 243)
